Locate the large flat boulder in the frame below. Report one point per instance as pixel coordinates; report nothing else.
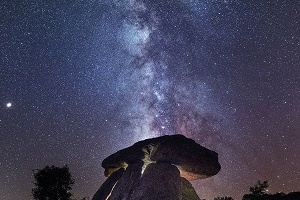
(193, 160)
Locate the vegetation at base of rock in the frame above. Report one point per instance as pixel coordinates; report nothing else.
(259, 192)
(223, 198)
(277, 196)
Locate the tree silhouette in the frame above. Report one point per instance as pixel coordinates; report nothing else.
(52, 183)
(259, 188)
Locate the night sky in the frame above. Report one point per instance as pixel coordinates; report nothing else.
(80, 80)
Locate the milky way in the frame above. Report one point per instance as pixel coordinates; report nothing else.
(80, 80)
(167, 96)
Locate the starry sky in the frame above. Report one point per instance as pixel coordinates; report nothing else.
(80, 80)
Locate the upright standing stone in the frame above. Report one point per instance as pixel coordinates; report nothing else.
(160, 181)
(127, 183)
(188, 191)
(104, 191)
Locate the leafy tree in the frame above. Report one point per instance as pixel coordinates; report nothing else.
(52, 183)
(259, 188)
(223, 198)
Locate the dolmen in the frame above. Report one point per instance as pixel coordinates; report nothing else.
(157, 169)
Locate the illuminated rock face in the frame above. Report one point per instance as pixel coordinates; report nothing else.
(106, 188)
(127, 183)
(157, 168)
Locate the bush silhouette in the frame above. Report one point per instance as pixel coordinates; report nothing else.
(223, 198)
(259, 188)
(259, 192)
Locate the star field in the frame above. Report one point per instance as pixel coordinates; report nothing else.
(80, 80)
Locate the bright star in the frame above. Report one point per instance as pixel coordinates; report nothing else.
(8, 105)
